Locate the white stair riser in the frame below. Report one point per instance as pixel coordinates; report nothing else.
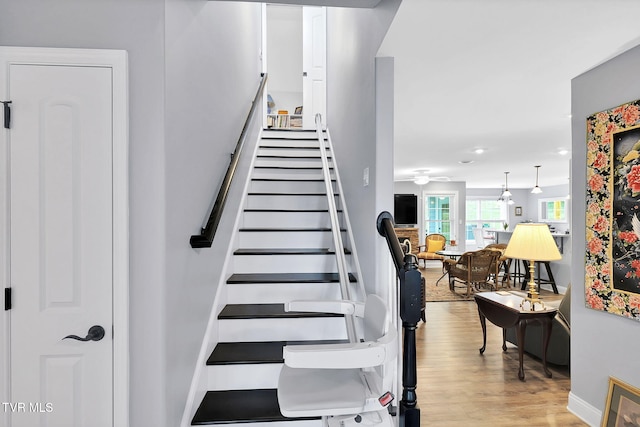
(276, 173)
(311, 143)
(287, 239)
(288, 202)
(257, 293)
(289, 187)
(291, 152)
(284, 264)
(292, 163)
(252, 330)
(262, 219)
(274, 133)
(243, 377)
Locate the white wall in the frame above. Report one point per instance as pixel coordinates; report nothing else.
(353, 38)
(602, 344)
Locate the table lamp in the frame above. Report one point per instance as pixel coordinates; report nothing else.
(532, 242)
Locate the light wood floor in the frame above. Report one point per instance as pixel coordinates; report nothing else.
(459, 387)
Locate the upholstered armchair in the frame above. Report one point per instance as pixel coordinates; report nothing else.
(432, 244)
(473, 269)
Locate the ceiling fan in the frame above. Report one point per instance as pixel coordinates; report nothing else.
(422, 178)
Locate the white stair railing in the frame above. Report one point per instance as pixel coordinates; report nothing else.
(343, 272)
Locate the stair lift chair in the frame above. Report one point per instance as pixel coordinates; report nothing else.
(349, 383)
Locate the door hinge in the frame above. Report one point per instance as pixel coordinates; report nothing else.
(7, 114)
(7, 299)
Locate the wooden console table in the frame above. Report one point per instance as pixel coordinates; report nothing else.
(503, 310)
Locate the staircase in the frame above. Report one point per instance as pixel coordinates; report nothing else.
(285, 251)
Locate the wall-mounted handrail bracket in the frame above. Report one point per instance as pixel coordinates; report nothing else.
(205, 238)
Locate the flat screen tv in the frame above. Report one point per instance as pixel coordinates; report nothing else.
(405, 209)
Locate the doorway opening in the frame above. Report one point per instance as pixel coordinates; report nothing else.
(295, 60)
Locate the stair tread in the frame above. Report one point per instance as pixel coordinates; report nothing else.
(287, 210)
(281, 156)
(292, 147)
(292, 167)
(238, 406)
(235, 353)
(282, 230)
(287, 251)
(237, 278)
(291, 179)
(288, 194)
(266, 311)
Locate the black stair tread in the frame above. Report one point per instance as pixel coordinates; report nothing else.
(292, 147)
(266, 311)
(288, 194)
(282, 156)
(287, 210)
(287, 251)
(286, 230)
(292, 179)
(247, 278)
(292, 167)
(235, 353)
(239, 406)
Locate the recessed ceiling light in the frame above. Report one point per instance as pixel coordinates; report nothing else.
(563, 151)
(479, 150)
(465, 162)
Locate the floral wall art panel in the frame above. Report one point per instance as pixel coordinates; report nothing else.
(612, 277)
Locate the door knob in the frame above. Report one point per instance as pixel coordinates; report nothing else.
(96, 333)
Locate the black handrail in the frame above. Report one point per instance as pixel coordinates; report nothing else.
(205, 238)
(410, 308)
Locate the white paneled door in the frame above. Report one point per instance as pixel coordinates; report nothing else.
(61, 251)
(314, 64)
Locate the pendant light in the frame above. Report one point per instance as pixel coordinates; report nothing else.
(537, 189)
(506, 192)
(501, 199)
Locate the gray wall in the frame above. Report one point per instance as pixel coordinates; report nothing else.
(211, 79)
(174, 169)
(602, 344)
(353, 38)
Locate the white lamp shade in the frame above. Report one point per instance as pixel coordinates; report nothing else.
(532, 242)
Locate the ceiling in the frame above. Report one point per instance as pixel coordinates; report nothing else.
(496, 75)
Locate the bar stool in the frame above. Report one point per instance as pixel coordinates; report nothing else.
(518, 274)
(540, 281)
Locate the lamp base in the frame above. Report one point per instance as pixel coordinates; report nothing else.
(532, 299)
(532, 293)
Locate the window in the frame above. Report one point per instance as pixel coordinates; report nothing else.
(439, 214)
(552, 210)
(484, 213)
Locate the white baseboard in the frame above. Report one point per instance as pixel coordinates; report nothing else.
(584, 411)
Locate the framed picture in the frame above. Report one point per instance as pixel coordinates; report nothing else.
(623, 405)
(518, 210)
(612, 276)
(298, 110)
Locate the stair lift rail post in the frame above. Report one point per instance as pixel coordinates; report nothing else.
(335, 230)
(410, 307)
